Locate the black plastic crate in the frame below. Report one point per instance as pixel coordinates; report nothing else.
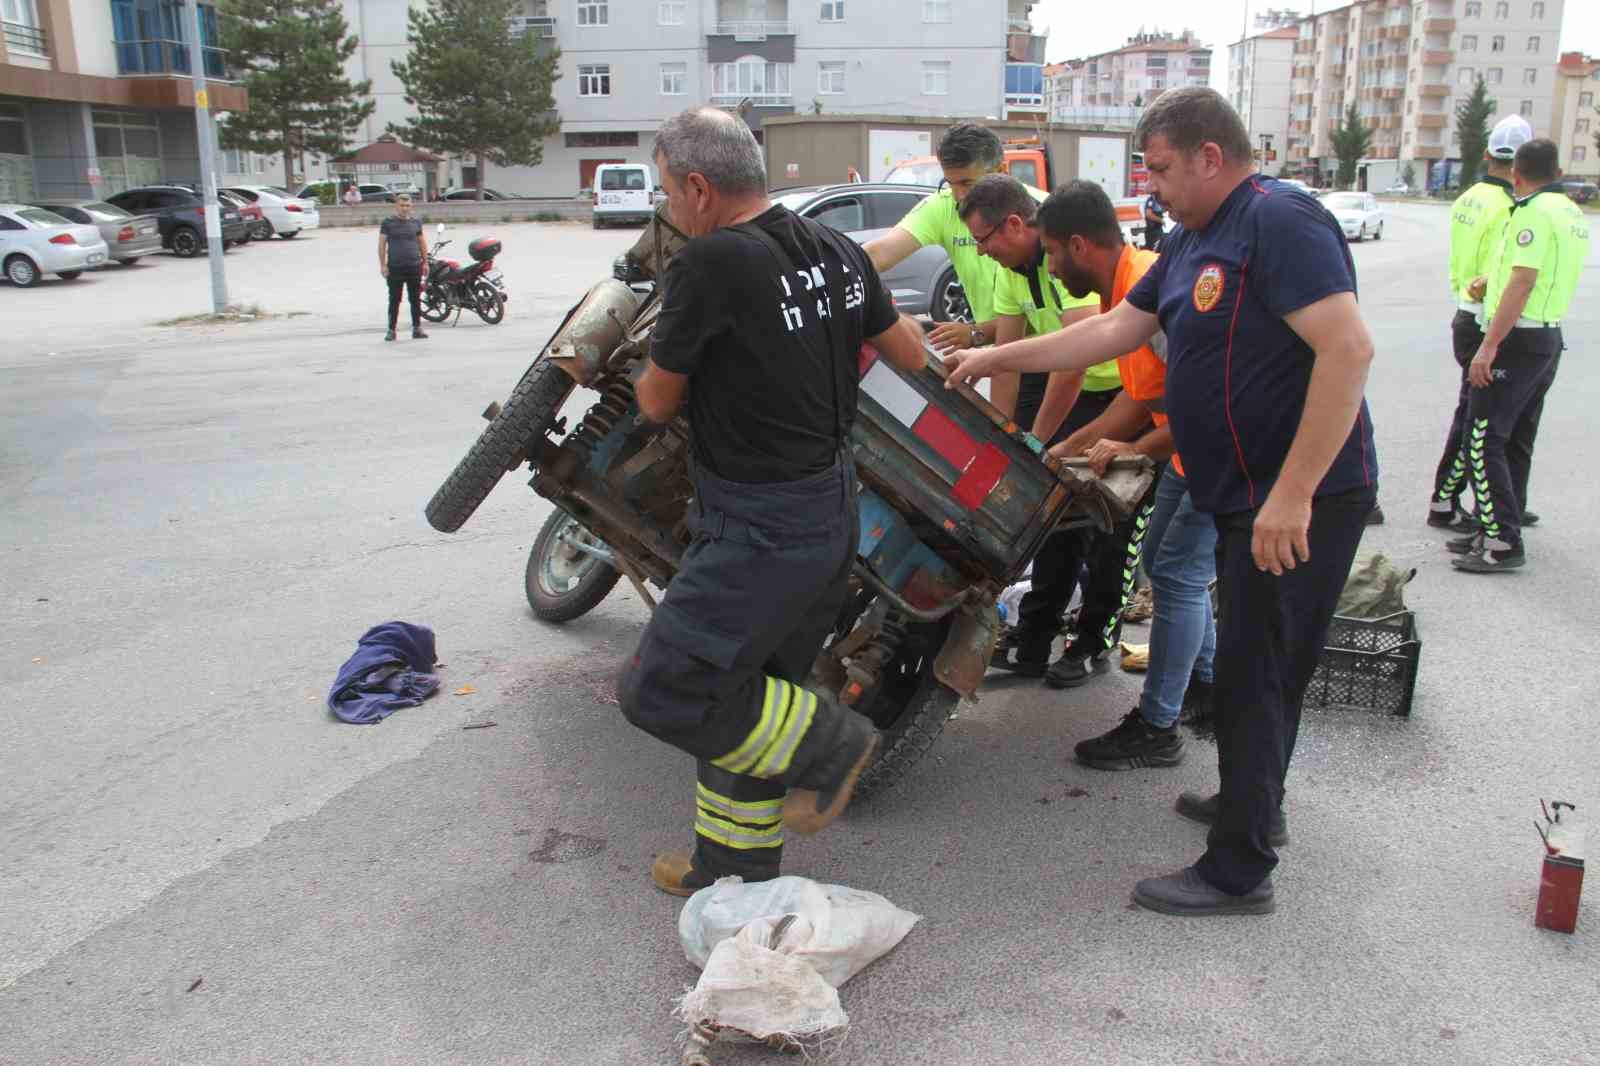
(1368, 663)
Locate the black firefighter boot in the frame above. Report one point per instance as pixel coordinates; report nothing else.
(822, 790)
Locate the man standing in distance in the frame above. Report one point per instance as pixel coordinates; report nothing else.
(403, 261)
(1267, 359)
(1476, 219)
(762, 320)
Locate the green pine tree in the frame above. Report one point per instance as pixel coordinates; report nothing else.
(293, 54)
(1472, 129)
(1350, 142)
(477, 91)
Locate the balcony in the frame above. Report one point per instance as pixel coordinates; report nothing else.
(756, 99)
(167, 58)
(1305, 46)
(1428, 121)
(1438, 58)
(1018, 24)
(1428, 151)
(1434, 90)
(26, 40)
(752, 31)
(1438, 25)
(1396, 33)
(531, 26)
(1389, 122)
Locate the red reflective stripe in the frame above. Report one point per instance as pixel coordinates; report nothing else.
(974, 486)
(864, 360)
(1227, 391)
(946, 437)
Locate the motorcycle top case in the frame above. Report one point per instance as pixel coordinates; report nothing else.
(484, 248)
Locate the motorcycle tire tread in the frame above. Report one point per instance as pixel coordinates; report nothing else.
(909, 738)
(533, 406)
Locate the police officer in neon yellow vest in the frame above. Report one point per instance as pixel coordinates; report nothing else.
(1476, 219)
(967, 153)
(1532, 277)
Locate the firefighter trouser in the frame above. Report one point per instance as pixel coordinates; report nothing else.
(719, 669)
(1502, 425)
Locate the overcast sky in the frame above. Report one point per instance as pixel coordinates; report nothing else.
(1084, 27)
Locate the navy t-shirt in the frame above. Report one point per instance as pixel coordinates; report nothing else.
(1236, 373)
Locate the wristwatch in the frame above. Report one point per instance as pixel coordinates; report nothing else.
(979, 338)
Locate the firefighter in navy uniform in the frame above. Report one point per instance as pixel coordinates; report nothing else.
(762, 320)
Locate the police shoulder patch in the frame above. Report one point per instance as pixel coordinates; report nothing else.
(1525, 238)
(1208, 287)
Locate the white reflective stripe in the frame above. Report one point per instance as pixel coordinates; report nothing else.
(1470, 307)
(1532, 323)
(781, 753)
(733, 836)
(904, 403)
(739, 760)
(759, 811)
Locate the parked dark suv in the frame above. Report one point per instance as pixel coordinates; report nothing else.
(1579, 190)
(181, 213)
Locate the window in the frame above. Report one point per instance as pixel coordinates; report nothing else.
(1538, 9)
(670, 12)
(674, 76)
(594, 13)
(936, 11)
(1533, 44)
(22, 27)
(1580, 153)
(1469, 42)
(830, 78)
(1530, 76)
(1466, 76)
(1586, 99)
(846, 215)
(603, 139)
(751, 76)
(1526, 109)
(1502, 10)
(1408, 136)
(594, 79)
(886, 209)
(832, 10)
(1495, 76)
(1581, 126)
(936, 78)
(1474, 9)
(1497, 43)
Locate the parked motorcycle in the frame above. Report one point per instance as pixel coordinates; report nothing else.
(954, 501)
(452, 287)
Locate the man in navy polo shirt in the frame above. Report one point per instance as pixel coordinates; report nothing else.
(1267, 361)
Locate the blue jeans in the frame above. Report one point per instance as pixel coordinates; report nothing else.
(1180, 557)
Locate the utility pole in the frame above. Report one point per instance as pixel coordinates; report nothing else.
(206, 141)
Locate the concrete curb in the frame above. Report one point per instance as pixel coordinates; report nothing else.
(370, 215)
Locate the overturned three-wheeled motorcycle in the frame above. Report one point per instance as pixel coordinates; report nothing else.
(954, 501)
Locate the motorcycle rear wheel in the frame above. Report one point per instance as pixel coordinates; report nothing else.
(503, 444)
(490, 307)
(910, 709)
(562, 582)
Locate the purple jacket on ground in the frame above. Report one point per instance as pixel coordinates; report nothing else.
(392, 668)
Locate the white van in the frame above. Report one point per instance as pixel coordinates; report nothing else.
(623, 192)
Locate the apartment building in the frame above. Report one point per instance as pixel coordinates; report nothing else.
(627, 65)
(1406, 64)
(1110, 88)
(1575, 119)
(1260, 79)
(96, 96)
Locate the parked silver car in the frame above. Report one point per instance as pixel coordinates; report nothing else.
(922, 283)
(35, 242)
(129, 237)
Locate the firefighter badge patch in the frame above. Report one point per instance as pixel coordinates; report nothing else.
(1208, 287)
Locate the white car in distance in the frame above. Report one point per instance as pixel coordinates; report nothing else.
(282, 214)
(35, 242)
(1359, 214)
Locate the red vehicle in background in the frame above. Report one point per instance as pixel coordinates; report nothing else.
(1138, 176)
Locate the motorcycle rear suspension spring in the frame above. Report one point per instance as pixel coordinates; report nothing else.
(616, 396)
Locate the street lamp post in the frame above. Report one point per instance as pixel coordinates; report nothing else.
(206, 140)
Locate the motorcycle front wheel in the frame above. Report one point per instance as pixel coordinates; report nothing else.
(435, 304)
(490, 307)
(564, 582)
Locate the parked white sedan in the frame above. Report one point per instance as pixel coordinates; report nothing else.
(35, 242)
(1359, 214)
(282, 214)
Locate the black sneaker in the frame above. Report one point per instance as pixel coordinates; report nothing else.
(1530, 518)
(1012, 655)
(1464, 545)
(1375, 516)
(389, 336)
(417, 334)
(1495, 557)
(1076, 667)
(1447, 519)
(1203, 809)
(1187, 894)
(1131, 745)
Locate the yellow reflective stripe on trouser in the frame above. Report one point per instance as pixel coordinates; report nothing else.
(740, 759)
(786, 714)
(757, 811)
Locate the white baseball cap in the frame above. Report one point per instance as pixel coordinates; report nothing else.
(1509, 134)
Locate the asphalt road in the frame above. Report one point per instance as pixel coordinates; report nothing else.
(198, 865)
